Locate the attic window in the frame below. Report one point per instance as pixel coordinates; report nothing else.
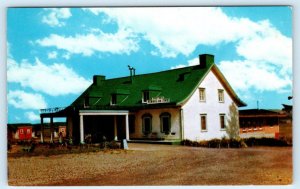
(221, 95)
(202, 94)
(146, 96)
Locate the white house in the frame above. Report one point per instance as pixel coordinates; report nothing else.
(186, 103)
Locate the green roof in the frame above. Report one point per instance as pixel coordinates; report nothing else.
(176, 85)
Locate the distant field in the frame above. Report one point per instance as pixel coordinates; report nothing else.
(146, 164)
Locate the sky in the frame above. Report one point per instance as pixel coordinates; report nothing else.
(53, 53)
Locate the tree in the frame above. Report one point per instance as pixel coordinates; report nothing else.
(233, 127)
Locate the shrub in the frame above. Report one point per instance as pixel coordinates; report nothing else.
(113, 145)
(216, 143)
(266, 142)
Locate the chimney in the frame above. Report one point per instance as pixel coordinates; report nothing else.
(98, 79)
(132, 72)
(205, 59)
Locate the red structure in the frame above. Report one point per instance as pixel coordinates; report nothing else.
(25, 132)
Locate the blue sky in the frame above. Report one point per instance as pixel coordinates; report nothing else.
(53, 53)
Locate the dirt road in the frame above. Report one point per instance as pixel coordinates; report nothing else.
(146, 164)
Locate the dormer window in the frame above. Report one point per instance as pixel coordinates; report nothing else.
(146, 96)
(113, 99)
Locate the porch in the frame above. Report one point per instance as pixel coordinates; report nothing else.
(103, 125)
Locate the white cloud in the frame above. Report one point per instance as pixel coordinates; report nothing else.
(244, 75)
(22, 100)
(121, 42)
(176, 31)
(54, 80)
(52, 55)
(32, 116)
(268, 45)
(55, 15)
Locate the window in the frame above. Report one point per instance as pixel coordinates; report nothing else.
(131, 124)
(165, 123)
(203, 122)
(21, 131)
(113, 99)
(147, 123)
(222, 121)
(202, 94)
(146, 96)
(221, 95)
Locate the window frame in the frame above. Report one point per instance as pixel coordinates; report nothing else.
(201, 123)
(202, 94)
(162, 116)
(222, 122)
(145, 94)
(113, 100)
(221, 95)
(144, 117)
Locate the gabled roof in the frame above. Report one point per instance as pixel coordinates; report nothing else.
(177, 85)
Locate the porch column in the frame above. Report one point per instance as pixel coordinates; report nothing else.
(127, 127)
(42, 129)
(115, 128)
(51, 130)
(81, 130)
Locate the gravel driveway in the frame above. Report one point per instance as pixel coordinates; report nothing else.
(153, 164)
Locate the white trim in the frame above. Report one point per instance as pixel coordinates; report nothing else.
(81, 130)
(127, 127)
(115, 128)
(103, 112)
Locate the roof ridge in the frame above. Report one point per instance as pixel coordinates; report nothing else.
(187, 67)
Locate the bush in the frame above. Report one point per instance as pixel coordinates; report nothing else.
(113, 145)
(216, 143)
(267, 142)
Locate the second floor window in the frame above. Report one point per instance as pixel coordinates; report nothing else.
(202, 94)
(221, 95)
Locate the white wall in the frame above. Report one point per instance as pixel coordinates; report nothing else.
(175, 124)
(211, 107)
